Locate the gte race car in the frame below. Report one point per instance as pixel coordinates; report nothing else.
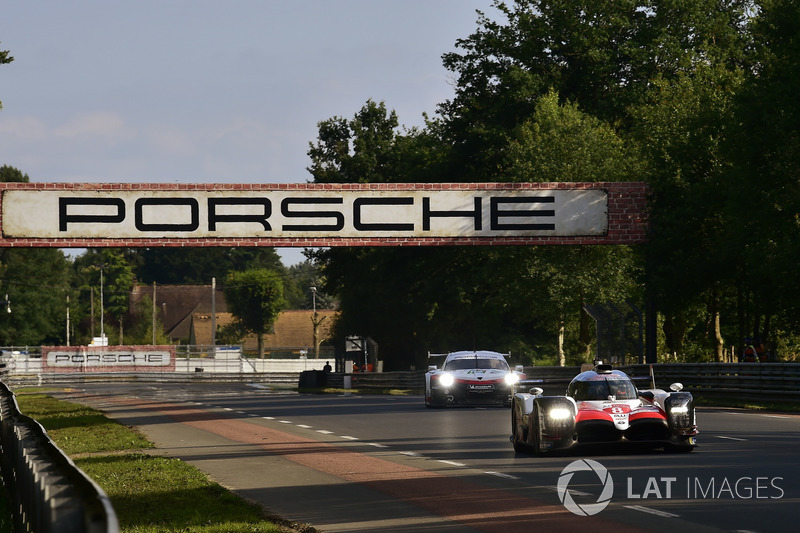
(603, 406)
(478, 377)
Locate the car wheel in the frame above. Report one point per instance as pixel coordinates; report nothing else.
(537, 430)
(518, 434)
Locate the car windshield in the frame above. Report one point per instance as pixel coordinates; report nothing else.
(475, 362)
(622, 389)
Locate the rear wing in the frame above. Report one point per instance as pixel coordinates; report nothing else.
(475, 352)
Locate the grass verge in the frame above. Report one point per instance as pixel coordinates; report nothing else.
(150, 494)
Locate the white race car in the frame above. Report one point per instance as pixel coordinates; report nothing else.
(477, 377)
(603, 406)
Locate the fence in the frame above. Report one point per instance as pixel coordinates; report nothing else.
(49, 494)
(747, 381)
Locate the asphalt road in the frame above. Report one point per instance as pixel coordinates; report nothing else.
(388, 464)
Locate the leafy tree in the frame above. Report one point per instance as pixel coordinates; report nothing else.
(9, 174)
(255, 298)
(118, 280)
(36, 281)
(198, 265)
(301, 277)
(763, 211)
(602, 55)
(5, 58)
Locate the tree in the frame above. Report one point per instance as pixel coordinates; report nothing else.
(764, 206)
(5, 58)
(9, 174)
(36, 281)
(602, 55)
(198, 265)
(255, 298)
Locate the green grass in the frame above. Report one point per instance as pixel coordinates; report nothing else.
(150, 494)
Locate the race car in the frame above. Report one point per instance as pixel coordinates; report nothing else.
(478, 377)
(603, 406)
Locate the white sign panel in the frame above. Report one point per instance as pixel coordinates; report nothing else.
(143, 214)
(109, 358)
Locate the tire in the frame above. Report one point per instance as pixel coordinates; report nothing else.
(537, 430)
(518, 434)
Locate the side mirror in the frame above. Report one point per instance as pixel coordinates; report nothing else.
(431, 367)
(536, 391)
(677, 387)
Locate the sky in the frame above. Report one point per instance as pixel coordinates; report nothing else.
(202, 91)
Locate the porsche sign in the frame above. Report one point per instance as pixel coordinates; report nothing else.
(411, 211)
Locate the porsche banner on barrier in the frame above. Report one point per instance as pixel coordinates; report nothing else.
(79, 213)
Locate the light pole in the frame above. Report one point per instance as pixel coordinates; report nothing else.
(102, 331)
(314, 322)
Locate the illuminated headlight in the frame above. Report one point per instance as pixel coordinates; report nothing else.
(511, 378)
(446, 380)
(679, 409)
(559, 413)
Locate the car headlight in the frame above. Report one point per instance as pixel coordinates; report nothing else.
(446, 380)
(679, 408)
(559, 413)
(511, 378)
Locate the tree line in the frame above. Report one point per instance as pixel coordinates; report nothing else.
(698, 99)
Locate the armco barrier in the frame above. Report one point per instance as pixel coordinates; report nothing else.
(779, 382)
(49, 494)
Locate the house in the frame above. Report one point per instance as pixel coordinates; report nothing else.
(292, 332)
(175, 305)
(185, 312)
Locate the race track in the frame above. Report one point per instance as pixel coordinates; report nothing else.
(386, 463)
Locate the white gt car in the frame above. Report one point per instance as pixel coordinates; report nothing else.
(477, 377)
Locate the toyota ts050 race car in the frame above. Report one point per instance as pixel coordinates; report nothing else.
(603, 406)
(478, 377)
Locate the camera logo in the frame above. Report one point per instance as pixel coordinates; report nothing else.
(565, 495)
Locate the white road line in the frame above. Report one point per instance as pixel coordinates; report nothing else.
(324, 431)
(501, 475)
(285, 421)
(303, 426)
(268, 417)
(451, 463)
(730, 438)
(347, 437)
(377, 445)
(651, 511)
(410, 454)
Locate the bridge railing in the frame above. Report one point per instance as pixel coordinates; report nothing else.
(49, 494)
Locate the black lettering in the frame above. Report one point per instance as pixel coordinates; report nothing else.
(61, 358)
(427, 214)
(190, 202)
(361, 226)
(261, 218)
(338, 217)
(65, 218)
(495, 213)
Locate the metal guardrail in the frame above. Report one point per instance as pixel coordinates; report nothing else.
(748, 381)
(49, 494)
